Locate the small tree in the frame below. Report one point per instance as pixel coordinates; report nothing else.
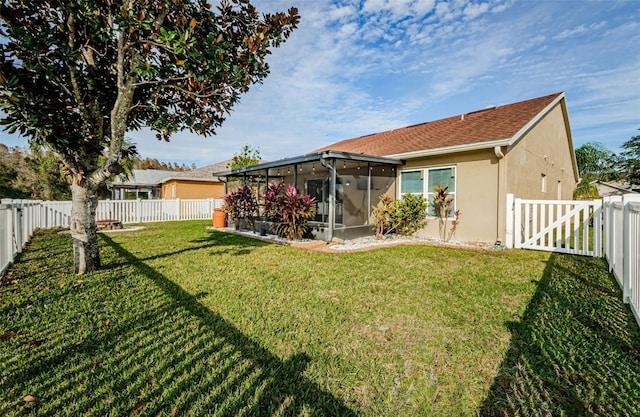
(442, 206)
(596, 162)
(76, 75)
(247, 157)
(586, 191)
(631, 160)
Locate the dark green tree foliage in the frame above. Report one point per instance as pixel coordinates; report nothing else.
(247, 157)
(76, 75)
(10, 161)
(631, 160)
(152, 163)
(596, 162)
(34, 174)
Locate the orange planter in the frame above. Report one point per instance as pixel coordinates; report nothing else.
(219, 218)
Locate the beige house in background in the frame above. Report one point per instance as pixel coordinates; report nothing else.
(523, 148)
(196, 183)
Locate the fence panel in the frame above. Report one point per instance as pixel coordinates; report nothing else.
(559, 226)
(6, 236)
(20, 218)
(622, 245)
(632, 257)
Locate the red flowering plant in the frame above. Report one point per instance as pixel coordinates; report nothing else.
(273, 200)
(442, 206)
(289, 210)
(241, 205)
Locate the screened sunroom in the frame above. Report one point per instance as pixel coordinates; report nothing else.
(344, 186)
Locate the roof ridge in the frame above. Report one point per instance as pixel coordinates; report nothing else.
(504, 122)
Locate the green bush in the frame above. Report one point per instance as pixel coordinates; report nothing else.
(404, 216)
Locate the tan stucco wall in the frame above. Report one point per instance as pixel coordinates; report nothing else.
(476, 194)
(192, 189)
(483, 179)
(545, 149)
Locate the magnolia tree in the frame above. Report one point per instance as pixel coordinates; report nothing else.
(76, 75)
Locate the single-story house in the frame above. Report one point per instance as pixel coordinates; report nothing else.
(523, 148)
(611, 188)
(196, 183)
(143, 184)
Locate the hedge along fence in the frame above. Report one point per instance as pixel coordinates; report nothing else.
(20, 218)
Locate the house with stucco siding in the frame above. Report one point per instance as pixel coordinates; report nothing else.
(522, 148)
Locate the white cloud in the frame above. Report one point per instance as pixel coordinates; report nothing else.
(422, 7)
(353, 68)
(474, 10)
(579, 30)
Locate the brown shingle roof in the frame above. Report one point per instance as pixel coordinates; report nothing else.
(491, 124)
(205, 172)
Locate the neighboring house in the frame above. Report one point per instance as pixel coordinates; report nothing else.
(196, 183)
(523, 148)
(607, 189)
(145, 184)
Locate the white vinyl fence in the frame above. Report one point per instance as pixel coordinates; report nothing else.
(622, 245)
(569, 226)
(20, 218)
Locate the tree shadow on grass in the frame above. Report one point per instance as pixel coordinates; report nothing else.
(150, 348)
(575, 351)
(254, 381)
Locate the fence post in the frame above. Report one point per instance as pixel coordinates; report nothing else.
(17, 227)
(138, 209)
(517, 223)
(509, 223)
(626, 254)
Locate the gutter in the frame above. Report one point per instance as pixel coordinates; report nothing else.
(453, 149)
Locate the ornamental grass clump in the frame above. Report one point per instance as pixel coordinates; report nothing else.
(381, 218)
(241, 205)
(289, 210)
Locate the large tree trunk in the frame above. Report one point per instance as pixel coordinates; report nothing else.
(83, 228)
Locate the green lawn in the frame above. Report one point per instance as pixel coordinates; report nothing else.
(182, 320)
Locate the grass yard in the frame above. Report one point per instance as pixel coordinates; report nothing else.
(183, 320)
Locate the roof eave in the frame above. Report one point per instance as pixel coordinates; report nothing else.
(190, 179)
(452, 149)
(524, 129)
(312, 157)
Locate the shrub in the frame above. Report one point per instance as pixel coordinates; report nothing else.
(241, 205)
(404, 216)
(289, 210)
(409, 213)
(586, 191)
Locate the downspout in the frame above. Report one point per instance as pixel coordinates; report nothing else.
(501, 197)
(332, 196)
(224, 181)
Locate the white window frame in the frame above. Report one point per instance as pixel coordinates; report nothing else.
(428, 194)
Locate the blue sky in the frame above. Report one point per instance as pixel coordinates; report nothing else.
(355, 67)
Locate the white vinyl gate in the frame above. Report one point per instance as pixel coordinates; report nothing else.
(563, 226)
